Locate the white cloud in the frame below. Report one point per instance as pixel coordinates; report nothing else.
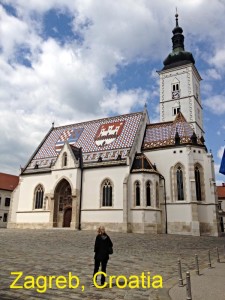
(16, 33)
(220, 152)
(216, 104)
(218, 59)
(212, 74)
(122, 102)
(66, 83)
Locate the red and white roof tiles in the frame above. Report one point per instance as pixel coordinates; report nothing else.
(106, 137)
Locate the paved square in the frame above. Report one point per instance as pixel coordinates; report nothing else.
(59, 251)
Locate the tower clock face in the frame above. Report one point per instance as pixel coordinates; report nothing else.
(175, 94)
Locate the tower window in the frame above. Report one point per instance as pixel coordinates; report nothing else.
(176, 110)
(175, 91)
(176, 87)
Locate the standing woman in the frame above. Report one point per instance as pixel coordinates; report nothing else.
(103, 247)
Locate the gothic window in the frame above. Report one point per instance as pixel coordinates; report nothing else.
(64, 159)
(157, 195)
(137, 194)
(39, 196)
(180, 184)
(107, 193)
(148, 193)
(198, 183)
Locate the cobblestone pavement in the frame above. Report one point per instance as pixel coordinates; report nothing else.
(57, 252)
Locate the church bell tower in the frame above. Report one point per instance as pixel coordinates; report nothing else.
(180, 85)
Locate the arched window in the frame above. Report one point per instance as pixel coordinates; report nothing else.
(64, 159)
(198, 183)
(157, 195)
(137, 194)
(148, 193)
(180, 184)
(107, 193)
(39, 196)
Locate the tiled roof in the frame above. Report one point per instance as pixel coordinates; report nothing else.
(221, 192)
(163, 134)
(8, 182)
(107, 137)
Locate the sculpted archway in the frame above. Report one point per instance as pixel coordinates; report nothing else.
(62, 214)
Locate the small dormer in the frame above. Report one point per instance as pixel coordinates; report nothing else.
(68, 158)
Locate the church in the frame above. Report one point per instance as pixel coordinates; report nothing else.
(125, 172)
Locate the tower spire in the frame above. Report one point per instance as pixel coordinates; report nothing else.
(178, 38)
(176, 15)
(178, 56)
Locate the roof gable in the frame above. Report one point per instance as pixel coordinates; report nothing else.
(70, 152)
(142, 164)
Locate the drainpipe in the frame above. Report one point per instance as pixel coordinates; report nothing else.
(162, 177)
(81, 186)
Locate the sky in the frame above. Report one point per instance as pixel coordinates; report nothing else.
(66, 61)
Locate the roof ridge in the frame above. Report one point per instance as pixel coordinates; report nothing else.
(159, 123)
(108, 118)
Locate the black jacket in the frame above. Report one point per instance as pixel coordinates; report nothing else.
(102, 244)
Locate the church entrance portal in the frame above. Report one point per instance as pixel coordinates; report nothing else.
(62, 204)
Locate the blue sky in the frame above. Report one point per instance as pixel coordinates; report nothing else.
(73, 60)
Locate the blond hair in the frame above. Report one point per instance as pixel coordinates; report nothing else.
(101, 229)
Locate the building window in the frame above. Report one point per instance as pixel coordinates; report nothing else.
(64, 159)
(137, 194)
(5, 217)
(107, 193)
(175, 91)
(148, 193)
(39, 196)
(175, 87)
(157, 195)
(175, 110)
(180, 184)
(198, 183)
(7, 201)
